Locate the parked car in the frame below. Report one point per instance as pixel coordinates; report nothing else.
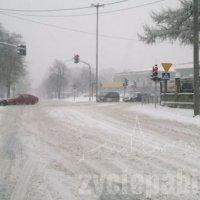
(3, 102)
(134, 97)
(109, 97)
(22, 99)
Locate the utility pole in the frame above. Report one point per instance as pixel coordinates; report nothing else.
(97, 6)
(196, 58)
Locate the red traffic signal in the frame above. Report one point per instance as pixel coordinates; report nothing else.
(76, 58)
(155, 71)
(155, 75)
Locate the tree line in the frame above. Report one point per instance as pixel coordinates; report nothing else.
(13, 69)
(61, 80)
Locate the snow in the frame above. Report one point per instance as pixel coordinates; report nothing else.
(166, 113)
(78, 99)
(45, 149)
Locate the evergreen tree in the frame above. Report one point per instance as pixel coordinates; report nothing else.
(171, 24)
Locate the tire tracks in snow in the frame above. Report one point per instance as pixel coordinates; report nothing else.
(15, 171)
(22, 184)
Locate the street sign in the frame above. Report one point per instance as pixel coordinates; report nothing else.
(166, 66)
(166, 76)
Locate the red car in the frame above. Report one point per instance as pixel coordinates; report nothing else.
(22, 99)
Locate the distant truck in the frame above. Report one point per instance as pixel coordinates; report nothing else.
(22, 99)
(109, 97)
(134, 97)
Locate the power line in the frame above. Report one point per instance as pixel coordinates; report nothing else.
(50, 10)
(59, 16)
(68, 29)
(187, 63)
(133, 7)
(57, 10)
(116, 2)
(89, 14)
(13, 15)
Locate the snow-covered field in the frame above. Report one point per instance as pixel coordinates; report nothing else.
(60, 150)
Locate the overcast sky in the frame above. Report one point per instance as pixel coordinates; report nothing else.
(44, 44)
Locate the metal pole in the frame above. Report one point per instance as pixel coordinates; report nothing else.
(92, 90)
(90, 86)
(165, 91)
(155, 94)
(90, 77)
(97, 47)
(97, 53)
(196, 57)
(8, 44)
(74, 94)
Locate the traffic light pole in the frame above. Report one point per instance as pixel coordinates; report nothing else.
(97, 6)
(165, 92)
(21, 49)
(124, 91)
(7, 44)
(78, 60)
(196, 58)
(156, 96)
(90, 77)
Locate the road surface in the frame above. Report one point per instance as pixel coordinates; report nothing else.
(59, 150)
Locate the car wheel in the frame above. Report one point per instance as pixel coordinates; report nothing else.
(4, 103)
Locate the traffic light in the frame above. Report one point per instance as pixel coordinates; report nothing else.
(21, 49)
(76, 58)
(155, 71)
(154, 75)
(125, 84)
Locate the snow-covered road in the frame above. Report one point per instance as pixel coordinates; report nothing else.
(59, 150)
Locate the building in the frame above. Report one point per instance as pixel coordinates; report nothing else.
(141, 80)
(137, 80)
(184, 72)
(116, 86)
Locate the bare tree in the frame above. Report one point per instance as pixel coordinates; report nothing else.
(57, 80)
(12, 65)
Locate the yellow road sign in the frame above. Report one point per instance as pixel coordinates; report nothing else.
(112, 85)
(166, 66)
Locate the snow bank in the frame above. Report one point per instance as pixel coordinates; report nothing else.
(166, 113)
(78, 99)
(2, 110)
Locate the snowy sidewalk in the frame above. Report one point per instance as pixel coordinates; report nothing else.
(166, 113)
